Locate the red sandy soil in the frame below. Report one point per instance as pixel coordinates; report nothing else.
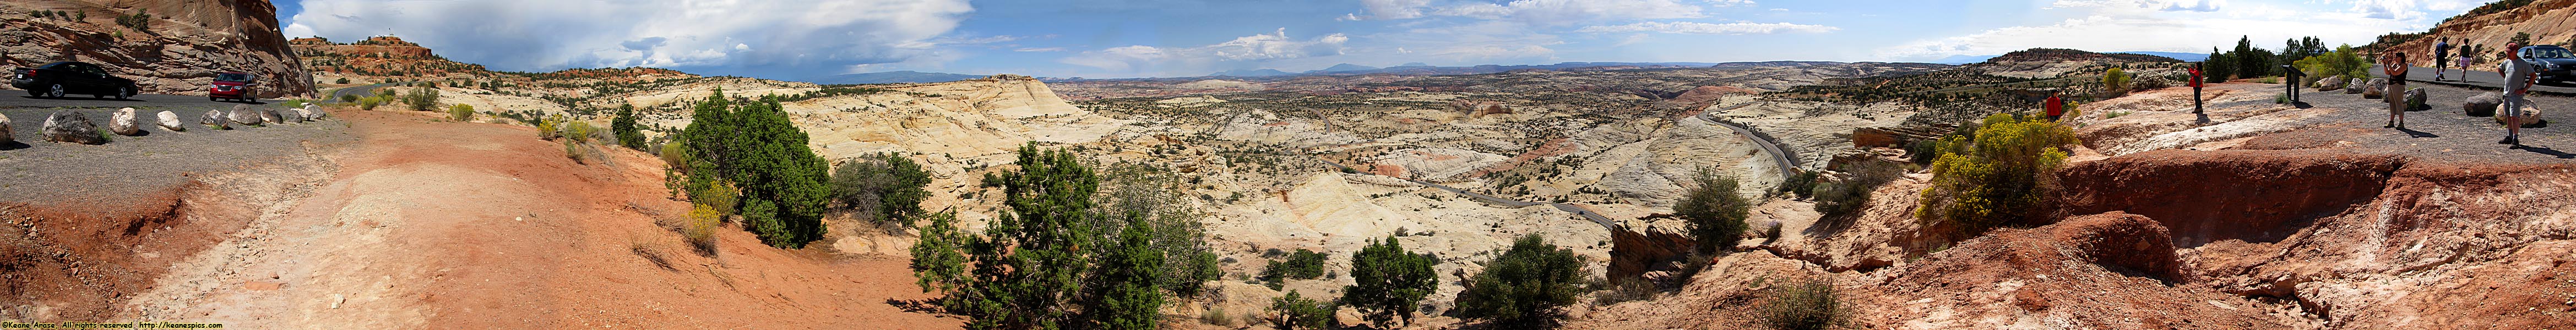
(434, 224)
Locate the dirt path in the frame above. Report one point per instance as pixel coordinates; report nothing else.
(445, 225)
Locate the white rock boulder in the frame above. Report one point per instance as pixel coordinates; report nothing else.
(124, 122)
(214, 118)
(242, 114)
(169, 121)
(6, 136)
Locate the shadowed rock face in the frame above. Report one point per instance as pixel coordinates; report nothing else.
(188, 42)
(2205, 196)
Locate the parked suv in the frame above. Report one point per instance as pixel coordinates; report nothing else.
(65, 78)
(2552, 62)
(232, 85)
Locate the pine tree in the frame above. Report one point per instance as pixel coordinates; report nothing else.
(1390, 281)
(754, 147)
(1716, 212)
(1030, 286)
(937, 261)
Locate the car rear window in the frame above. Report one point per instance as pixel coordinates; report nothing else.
(235, 77)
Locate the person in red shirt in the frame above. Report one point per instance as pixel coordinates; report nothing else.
(2195, 88)
(2056, 106)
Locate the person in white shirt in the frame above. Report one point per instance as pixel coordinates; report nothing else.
(2518, 78)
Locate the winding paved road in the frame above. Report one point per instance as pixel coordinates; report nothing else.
(1490, 199)
(1788, 166)
(361, 91)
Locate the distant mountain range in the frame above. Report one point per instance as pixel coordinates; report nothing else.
(1972, 59)
(890, 77)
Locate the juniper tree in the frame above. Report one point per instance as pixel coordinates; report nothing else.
(1389, 281)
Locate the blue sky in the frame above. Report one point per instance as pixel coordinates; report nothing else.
(1165, 38)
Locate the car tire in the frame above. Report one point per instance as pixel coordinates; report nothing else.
(125, 93)
(211, 98)
(55, 92)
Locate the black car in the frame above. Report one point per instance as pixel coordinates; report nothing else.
(2554, 63)
(65, 78)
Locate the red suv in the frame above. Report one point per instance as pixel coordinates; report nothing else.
(232, 85)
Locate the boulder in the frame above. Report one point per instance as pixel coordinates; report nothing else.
(2530, 118)
(314, 112)
(2375, 88)
(242, 114)
(270, 115)
(2354, 86)
(6, 136)
(170, 121)
(214, 118)
(125, 123)
(2415, 99)
(72, 126)
(305, 114)
(2482, 105)
(2329, 83)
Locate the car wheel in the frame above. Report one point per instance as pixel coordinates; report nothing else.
(55, 92)
(124, 93)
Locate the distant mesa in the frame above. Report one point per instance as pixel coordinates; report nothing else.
(1250, 73)
(1344, 67)
(1411, 64)
(2043, 53)
(891, 77)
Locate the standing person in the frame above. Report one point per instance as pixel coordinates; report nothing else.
(2195, 87)
(2395, 66)
(2056, 106)
(2442, 50)
(2518, 77)
(2464, 65)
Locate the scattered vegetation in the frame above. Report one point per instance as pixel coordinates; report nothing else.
(1302, 265)
(1804, 305)
(2115, 81)
(2343, 61)
(1297, 312)
(1716, 212)
(370, 103)
(460, 112)
(1525, 286)
(1047, 263)
(1998, 177)
(141, 20)
(1390, 282)
(421, 99)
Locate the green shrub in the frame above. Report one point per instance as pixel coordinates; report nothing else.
(550, 127)
(579, 131)
(2343, 61)
(1716, 212)
(674, 154)
(1390, 282)
(883, 189)
(1626, 290)
(1525, 286)
(141, 20)
(2115, 81)
(343, 81)
(938, 262)
(700, 228)
(573, 150)
(370, 103)
(421, 99)
(292, 104)
(350, 98)
(1852, 192)
(1216, 317)
(624, 125)
(1805, 305)
(1296, 312)
(2002, 176)
(720, 196)
(460, 112)
(1303, 265)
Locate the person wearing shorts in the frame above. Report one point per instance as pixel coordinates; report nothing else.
(2518, 77)
(2395, 66)
(2442, 50)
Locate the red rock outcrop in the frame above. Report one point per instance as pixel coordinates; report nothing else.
(2206, 196)
(183, 45)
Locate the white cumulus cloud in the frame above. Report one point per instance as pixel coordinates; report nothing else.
(1710, 28)
(1240, 52)
(726, 37)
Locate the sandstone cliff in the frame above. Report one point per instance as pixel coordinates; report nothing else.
(183, 45)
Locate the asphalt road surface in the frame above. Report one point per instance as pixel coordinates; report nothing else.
(360, 91)
(2474, 78)
(19, 99)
